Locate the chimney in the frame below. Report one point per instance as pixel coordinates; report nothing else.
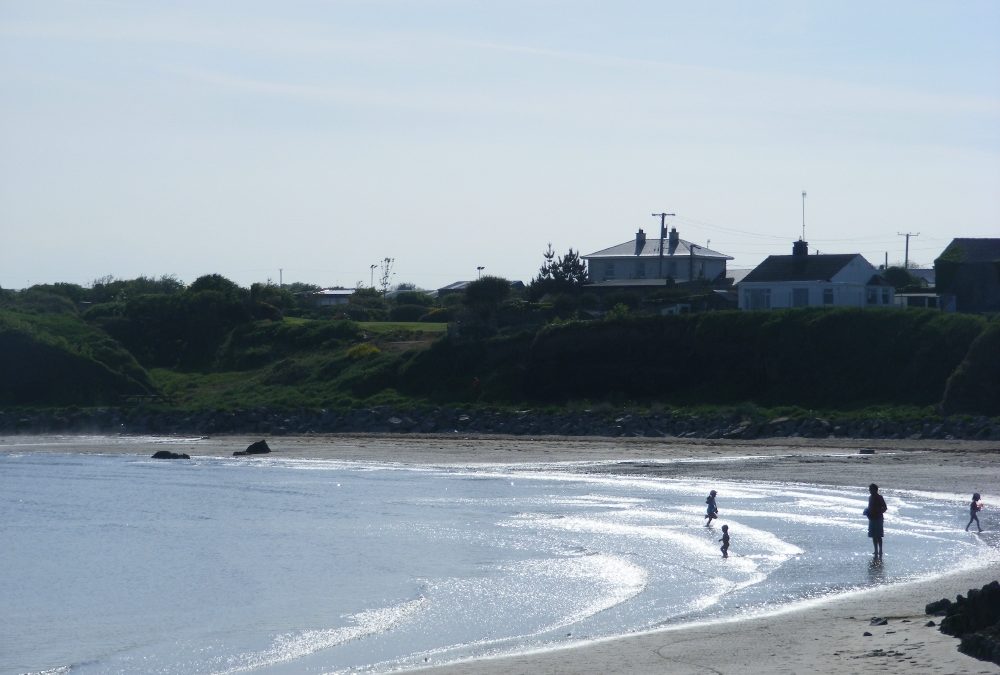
(640, 241)
(674, 240)
(800, 248)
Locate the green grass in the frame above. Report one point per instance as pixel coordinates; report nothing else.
(382, 327)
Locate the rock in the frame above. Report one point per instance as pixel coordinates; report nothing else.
(258, 448)
(976, 620)
(166, 454)
(879, 621)
(938, 608)
(867, 634)
(866, 451)
(930, 624)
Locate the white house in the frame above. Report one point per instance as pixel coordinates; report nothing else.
(803, 280)
(643, 261)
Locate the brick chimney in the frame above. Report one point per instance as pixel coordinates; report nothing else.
(640, 241)
(800, 247)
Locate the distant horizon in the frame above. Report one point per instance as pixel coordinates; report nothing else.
(186, 138)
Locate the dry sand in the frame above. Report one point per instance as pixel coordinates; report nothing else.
(826, 637)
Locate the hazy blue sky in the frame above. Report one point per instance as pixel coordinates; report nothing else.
(240, 138)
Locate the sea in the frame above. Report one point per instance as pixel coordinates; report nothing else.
(112, 562)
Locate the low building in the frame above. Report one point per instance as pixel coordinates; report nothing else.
(969, 270)
(803, 280)
(330, 297)
(643, 262)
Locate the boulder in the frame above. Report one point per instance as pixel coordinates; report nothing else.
(166, 454)
(976, 621)
(258, 448)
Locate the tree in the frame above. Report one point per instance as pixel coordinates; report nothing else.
(484, 296)
(216, 282)
(385, 274)
(900, 278)
(565, 274)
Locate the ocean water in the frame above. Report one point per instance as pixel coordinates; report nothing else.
(118, 563)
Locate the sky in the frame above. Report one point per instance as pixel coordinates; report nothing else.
(305, 141)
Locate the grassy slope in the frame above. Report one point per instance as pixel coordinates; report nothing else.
(57, 359)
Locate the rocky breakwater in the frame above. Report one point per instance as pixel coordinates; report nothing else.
(600, 421)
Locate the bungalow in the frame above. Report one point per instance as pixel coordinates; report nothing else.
(642, 262)
(969, 271)
(803, 280)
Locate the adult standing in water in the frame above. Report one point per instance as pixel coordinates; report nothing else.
(876, 509)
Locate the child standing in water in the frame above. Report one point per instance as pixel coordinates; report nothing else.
(713, 510)
(725, 541)
(974, 510)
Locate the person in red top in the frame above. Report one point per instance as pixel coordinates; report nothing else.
(876, 509)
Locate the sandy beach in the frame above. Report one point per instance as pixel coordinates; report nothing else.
(823, 637)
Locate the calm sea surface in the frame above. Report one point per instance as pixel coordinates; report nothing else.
(121, 564)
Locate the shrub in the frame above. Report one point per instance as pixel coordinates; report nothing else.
(364, 350)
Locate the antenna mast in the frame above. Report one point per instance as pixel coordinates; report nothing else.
(803, 238)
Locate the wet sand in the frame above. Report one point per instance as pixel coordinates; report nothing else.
(826, 637)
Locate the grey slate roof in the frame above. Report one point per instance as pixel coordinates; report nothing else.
(972, 250)
(651, 249)
(800, 267)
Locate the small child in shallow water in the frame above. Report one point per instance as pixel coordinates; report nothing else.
(713, 510)
(725, 541)
(974, 510)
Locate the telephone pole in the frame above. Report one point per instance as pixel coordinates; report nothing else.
(906, 259)
(663, 234)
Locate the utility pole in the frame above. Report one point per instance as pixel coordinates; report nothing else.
(371, 282)
(906, 260)
(280, 277)
(663, 234)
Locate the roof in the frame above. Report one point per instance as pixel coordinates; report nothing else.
(800, 267)
(651, 249)
(332, 291)
(455, 286)
(971, 251)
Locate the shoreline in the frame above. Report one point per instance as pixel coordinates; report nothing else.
(825, 637)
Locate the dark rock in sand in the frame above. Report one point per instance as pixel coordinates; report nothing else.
(866, 451)
(930, 624)
(938, 608)
(976, 620)
(867, 634)
(258, 448)
(166, 454)
(879, 621)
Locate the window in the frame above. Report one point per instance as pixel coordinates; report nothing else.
(757, 298)
(640, 270)
(800, 297)
(609, 270)
(872, 296)
(827, 296)
(885, 296)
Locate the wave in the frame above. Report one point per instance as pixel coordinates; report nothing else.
(293, 646)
